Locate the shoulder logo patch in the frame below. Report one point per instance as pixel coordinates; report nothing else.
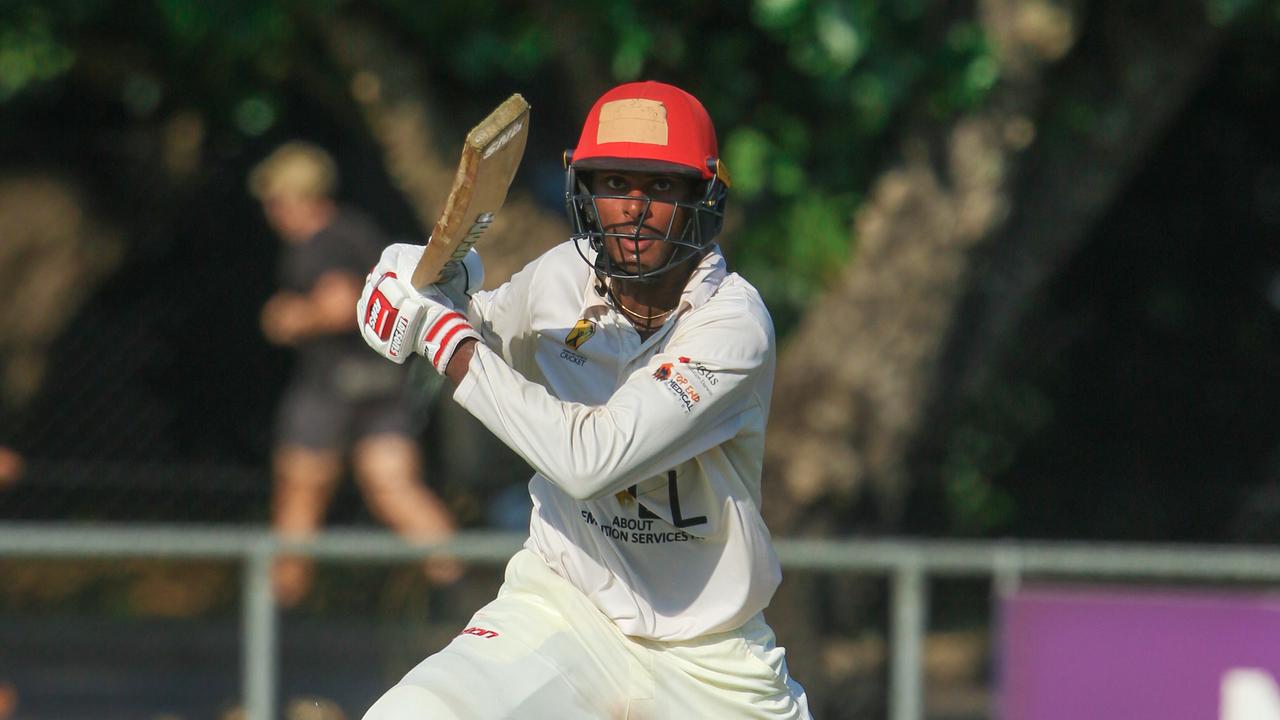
(581, 332)
(703, 372)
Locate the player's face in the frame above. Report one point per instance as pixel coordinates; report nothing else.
(291, 216)
(643, 218)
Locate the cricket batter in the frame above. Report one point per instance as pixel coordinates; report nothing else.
(633, 371)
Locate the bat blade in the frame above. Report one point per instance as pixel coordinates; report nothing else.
(490, 157)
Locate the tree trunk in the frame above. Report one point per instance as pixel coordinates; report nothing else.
(953, 244)
(389, 90)
(956, 239)
(54, 254)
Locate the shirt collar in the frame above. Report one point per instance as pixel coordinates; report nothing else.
(706, 279)
(703, 282)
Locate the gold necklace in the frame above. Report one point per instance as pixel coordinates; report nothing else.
(638, 316)
(646, 318)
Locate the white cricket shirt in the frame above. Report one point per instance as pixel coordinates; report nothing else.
(648, 454)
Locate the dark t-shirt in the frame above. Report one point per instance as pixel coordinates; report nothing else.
(339, 363)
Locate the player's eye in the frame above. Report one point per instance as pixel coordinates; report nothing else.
(615, 183)
(663, 185)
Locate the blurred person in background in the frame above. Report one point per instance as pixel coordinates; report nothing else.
(8, 700)
(10, 471)
(10, 467)
(341, 403)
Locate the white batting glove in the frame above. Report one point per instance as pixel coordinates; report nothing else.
(458, 280)
(396, 320)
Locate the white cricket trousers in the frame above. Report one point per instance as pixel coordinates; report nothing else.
(542, 650)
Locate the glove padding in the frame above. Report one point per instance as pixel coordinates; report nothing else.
(396, 320)
(458, 280)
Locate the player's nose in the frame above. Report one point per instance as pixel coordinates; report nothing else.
(636, 204)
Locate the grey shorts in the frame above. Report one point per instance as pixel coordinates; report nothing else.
(318, 418)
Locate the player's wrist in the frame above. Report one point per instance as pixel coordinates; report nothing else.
(461, 360)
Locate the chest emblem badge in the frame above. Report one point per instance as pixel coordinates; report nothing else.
(582, 330)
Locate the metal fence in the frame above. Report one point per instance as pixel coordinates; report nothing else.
(908, 564)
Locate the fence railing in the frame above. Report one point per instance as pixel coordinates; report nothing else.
(907, 563)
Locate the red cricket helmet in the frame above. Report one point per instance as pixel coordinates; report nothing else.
(648, 127)
(656, 128)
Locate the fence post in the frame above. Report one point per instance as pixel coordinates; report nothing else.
(258, 633)
(906, 674)
(1006, 571)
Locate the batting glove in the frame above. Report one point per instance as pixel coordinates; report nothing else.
(396, 320)
(458, 280)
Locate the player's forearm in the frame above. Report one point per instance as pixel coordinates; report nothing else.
(590, 451)
(329, 304)
(308, 322)
(289, 318)
(324, 322)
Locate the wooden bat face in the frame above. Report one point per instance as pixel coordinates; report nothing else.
(490, 158)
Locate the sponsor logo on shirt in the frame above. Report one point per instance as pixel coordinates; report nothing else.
(581, 332)
(573, 357)
(479, 632)
(702, 371)
(636, 531)
(678, 385)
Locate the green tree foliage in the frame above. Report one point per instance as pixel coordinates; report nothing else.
(30, 50)
(810, 98)
(805, 92)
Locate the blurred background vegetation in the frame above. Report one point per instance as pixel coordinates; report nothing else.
(1022, 254)
(148, 113)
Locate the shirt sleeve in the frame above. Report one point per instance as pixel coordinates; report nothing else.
(696, 394)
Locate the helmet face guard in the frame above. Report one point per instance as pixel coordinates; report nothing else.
(692, 228)
(646, 127)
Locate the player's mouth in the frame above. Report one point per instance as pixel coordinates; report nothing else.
(631, 237)
(632, 247)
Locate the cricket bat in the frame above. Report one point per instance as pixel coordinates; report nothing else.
(490, 157)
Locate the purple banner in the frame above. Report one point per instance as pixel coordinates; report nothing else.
(1103, 654)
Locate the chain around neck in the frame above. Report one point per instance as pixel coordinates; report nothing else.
(638, 316)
